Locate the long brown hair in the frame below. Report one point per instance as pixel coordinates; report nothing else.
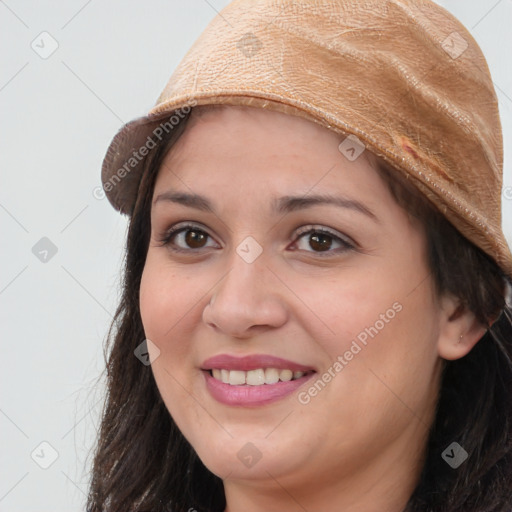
(143, 463)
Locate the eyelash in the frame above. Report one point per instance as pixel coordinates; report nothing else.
(165, 239)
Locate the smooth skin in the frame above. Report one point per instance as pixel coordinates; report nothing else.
(358, 444)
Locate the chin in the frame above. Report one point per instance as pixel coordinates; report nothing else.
(256, 459)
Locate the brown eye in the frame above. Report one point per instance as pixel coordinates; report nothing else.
(185, 238)
(321, 240)
(195, 238)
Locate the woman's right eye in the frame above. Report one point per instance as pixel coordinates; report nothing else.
(193, 235)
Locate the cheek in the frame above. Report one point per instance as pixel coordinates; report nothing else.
(166, 306)
(380, 371)
(163, 308)
(165, 298)
(154, 301)
(383, 322)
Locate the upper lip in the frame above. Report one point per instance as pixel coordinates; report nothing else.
(252, 362)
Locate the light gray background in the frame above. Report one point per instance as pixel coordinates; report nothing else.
(58, 116)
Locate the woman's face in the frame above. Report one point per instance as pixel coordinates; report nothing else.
(255, 291)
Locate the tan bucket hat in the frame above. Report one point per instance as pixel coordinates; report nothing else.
(403, 78)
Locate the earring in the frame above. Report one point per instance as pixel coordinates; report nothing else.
(460, 338)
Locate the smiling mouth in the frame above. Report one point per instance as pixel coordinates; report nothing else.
(256, 377)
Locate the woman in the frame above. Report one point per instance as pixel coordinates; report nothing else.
(314, 310)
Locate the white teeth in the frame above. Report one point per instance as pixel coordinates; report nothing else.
(271, 375)
(236, 377)
(285, 375)
(256, 377)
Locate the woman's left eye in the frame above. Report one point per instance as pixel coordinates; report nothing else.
(320, 239)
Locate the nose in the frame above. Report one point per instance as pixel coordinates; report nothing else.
(249, 299)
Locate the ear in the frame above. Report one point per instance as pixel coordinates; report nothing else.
(459, 330)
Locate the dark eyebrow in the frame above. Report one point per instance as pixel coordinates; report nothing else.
(282, 205)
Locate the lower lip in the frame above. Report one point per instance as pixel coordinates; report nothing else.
(246, 395)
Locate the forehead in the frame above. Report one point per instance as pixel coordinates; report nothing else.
(254, 144)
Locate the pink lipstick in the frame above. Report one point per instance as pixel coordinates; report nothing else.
(253, 380)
